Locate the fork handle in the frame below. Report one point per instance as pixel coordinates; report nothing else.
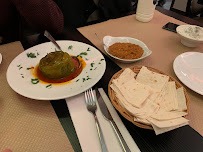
(100, 134)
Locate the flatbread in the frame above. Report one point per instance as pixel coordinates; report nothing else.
(181, 99)
(167, 123)
(126, 75)
(151, 98)
(145, 111)
(123, 102)
(170, 97)
(163, 130)
(150, 108)
(165, 115)
(161, 96)
(134, 92)
(144, 121)
(153, 79)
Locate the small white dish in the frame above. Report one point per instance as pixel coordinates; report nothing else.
(188, 68)
(191, 35)
(109, 40)
(0, 58)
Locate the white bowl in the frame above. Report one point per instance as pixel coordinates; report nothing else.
(188, 37)
(109, 40)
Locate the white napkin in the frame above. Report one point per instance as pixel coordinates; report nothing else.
(85, 127)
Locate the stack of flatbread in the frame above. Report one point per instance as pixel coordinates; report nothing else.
(152, 99)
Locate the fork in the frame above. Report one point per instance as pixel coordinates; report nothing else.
(92, 107)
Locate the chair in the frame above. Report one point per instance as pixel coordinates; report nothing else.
(188, 8)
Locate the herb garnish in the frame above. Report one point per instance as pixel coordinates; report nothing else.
(70, 47)
(101, 59)
(49, 86)
(77, 80)
(35, 81)
(82, 53)
(29, 68)
(92, 64)
(84, 79)
(20, 67)
(31, 55)
(88, 78)
(88, 49)
(22, 75)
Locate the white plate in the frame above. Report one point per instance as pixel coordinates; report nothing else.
(189, 69)
(19, 78)
(109, 40)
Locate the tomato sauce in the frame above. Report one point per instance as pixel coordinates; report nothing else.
(38, 74)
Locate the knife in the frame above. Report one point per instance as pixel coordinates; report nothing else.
(108, 116)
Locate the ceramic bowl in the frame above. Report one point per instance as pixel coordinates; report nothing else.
(109, 40)
(189, 37)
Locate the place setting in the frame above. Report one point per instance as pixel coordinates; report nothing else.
(115, 81)
(39, 73)
(148, 98)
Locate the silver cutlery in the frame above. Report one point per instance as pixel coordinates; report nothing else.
(101, 41)
(50, 37)
(108, 117)
(92, 107)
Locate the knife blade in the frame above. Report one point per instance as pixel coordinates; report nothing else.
(107, 116)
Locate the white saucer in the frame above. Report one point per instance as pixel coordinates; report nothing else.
(189, 69)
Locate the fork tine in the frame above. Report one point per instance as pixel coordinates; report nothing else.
(86, 98)
(89, 97)
(92, 97)
(92, 94)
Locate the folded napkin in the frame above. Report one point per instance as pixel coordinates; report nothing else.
(85, 126)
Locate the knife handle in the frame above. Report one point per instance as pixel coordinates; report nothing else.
(100, 134)
(120, 137)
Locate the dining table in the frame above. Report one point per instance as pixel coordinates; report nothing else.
(34, 125)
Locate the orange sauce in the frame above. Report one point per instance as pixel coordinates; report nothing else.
(126, 50)
(38, 74)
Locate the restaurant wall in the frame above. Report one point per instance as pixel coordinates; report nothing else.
(180, 5)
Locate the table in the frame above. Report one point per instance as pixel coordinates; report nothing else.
(183, 139)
